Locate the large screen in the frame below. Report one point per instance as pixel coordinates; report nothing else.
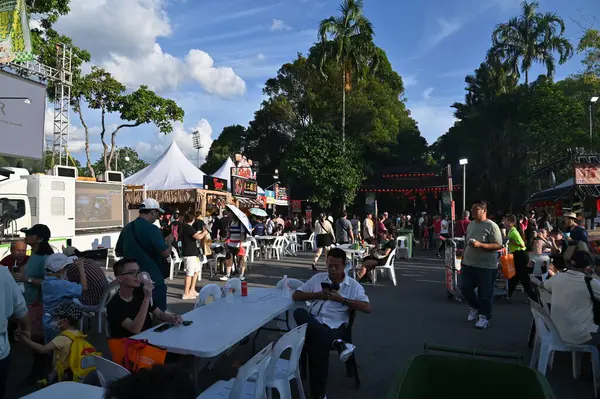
(587, 174)
(21, 122)
(98, 205)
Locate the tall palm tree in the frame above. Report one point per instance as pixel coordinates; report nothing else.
(531, 37)
(349, 40)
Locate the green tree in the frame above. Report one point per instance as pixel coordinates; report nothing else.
(48, 11)
(348, 39)
(531, 37)
(319, 159)
(126, 161)
(230, 142)
(589, 44)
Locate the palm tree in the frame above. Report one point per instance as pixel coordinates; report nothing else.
(349, 40)
(531, 37)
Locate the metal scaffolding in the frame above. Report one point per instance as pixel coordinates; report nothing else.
(62, 78)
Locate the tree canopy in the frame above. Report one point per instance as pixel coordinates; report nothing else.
(230, 142)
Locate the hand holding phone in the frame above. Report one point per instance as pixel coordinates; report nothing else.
(164, 327)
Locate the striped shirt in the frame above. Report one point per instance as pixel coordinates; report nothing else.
(96, 281)
(236, 234)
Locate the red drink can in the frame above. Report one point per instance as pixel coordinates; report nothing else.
(244, 288)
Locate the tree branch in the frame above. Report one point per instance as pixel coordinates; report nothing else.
(87, 138)
(113, 138)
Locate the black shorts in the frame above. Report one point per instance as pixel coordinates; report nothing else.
(380, 262)
(324, 240)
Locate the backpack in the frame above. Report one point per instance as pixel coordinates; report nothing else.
(76, 364)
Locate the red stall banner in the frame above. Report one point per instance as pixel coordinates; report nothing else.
(309, 216)
(296, 206)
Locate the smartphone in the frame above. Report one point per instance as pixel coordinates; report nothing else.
(325, 286)
(187, 323)
(164, 327)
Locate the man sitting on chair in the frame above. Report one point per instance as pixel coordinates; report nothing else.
(378, 257)
(333, 296)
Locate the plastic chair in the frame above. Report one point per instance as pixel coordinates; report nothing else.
(100, 309)
(548, 341)
(281, 371)
(276, 248)
(249, 382)
(208, 294)
(389, 266)
(175, 262)
(108, 371)
(538, 261)
(401, 246)
(310, 242)
(254, 248)
(292, 282)
(236, 284)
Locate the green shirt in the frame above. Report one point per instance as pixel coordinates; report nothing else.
(150, 256)
(486, 232)
(515, 241)
(34, 269)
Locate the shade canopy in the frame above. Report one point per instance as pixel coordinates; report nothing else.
(172, 171)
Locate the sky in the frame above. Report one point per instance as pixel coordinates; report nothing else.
(213, 56)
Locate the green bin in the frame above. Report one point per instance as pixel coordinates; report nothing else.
(442, 376)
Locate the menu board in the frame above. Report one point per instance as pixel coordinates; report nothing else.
(215, 184)
(243, 187)
(587, 174)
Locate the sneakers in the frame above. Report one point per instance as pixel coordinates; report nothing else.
(187, 297)
(473, 314)
(483, 323)
(242, 277)
(345, 349)
(224, 278)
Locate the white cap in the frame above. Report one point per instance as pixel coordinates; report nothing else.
(151, 203)
(56, 262)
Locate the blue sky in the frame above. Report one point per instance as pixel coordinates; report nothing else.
(213, 56)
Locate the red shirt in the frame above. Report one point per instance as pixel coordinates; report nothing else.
(460, 230)
(9, 261)
(437, 226)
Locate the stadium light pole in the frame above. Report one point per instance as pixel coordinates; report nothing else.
(463, 162)
(593, 100)
(197, 145)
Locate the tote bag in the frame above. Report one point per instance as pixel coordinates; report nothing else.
(507, 264)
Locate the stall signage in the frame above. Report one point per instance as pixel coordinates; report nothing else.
(243, 187)
(270, 195)
(215, 184)
(281, 193)
(245, 172)
(587, 174)
(296, 206)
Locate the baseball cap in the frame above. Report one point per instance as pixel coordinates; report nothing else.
(56, 262)
(570, 215)
(151, 203)
(69, 310)
(581, 260)
(40, 230)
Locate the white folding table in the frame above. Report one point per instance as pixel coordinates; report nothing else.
(68, 390)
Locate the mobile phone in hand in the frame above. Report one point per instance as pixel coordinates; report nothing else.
(164, 327)
(325, 286)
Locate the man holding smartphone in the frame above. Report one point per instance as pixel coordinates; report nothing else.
(333, 296)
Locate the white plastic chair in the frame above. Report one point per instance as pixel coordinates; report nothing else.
(236, 284)
(389, 266)
(309, 243)
(548, 341)
(538, 261)
(249, 382)
(254, 248)
(208, 294)
(401, 247)
(281, 371)
(99, 310)
(175, 262)
(108, 371)
(292, 282)
(276, 248)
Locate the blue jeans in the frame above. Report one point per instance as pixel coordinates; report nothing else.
(159, 297)
(482, 279)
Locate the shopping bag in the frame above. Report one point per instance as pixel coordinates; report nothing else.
(507, 263)
(135, 354)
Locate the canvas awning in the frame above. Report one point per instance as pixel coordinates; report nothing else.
(250, 203)
(554, 194)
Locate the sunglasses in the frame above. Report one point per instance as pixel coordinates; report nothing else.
(134, 273)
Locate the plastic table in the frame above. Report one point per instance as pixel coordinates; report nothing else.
(68, 390)
(220, 325)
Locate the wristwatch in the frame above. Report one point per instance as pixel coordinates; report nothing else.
(29, 280)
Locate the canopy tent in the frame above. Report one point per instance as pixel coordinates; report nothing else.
(554, 193)
(224, 173)
(172, 171)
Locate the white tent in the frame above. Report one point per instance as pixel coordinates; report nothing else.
(172, 171)
(224, 173)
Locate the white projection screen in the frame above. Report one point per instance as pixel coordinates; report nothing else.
(21, 124)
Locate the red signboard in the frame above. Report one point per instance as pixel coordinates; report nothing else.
(309, 216)
(587, 174)
(296, 206)
(245, 172)
(215, 184)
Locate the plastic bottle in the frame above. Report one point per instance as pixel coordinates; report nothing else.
(228, 293)
(286, 287)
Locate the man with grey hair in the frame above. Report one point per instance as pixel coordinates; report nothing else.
(460, 229)
(18, 256)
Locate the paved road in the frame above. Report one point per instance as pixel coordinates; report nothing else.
(405, 317)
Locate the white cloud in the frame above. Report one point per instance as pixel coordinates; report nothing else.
(260, 56)
(409, 80)
(279, 26)
(183, 137)
(427, 93)
(445, 28)
(221, 80)
(434, 120)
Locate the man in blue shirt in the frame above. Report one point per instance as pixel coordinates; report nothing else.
(142, 240)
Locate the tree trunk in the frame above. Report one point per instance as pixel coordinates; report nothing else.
(104, 145)
(527, 78)
(87, 141)
(344, 109)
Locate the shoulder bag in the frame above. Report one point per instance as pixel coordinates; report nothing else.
(595, 302)
(164, 266)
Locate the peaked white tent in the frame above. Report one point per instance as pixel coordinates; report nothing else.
(172, 171)
(224, 173)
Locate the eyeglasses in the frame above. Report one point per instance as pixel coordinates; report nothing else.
(133, 273)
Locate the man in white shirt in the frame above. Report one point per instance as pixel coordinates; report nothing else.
(572, 308)
(333, 295)
(369, 228)
(270, 226)
(12, 303)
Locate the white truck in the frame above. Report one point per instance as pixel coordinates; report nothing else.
(86, 212)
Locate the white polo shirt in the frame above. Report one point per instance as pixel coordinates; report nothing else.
(12, 303)
(572, 306)
(330, 313)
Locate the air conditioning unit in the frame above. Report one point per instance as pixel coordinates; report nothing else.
(111, 176)
(64, 171)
